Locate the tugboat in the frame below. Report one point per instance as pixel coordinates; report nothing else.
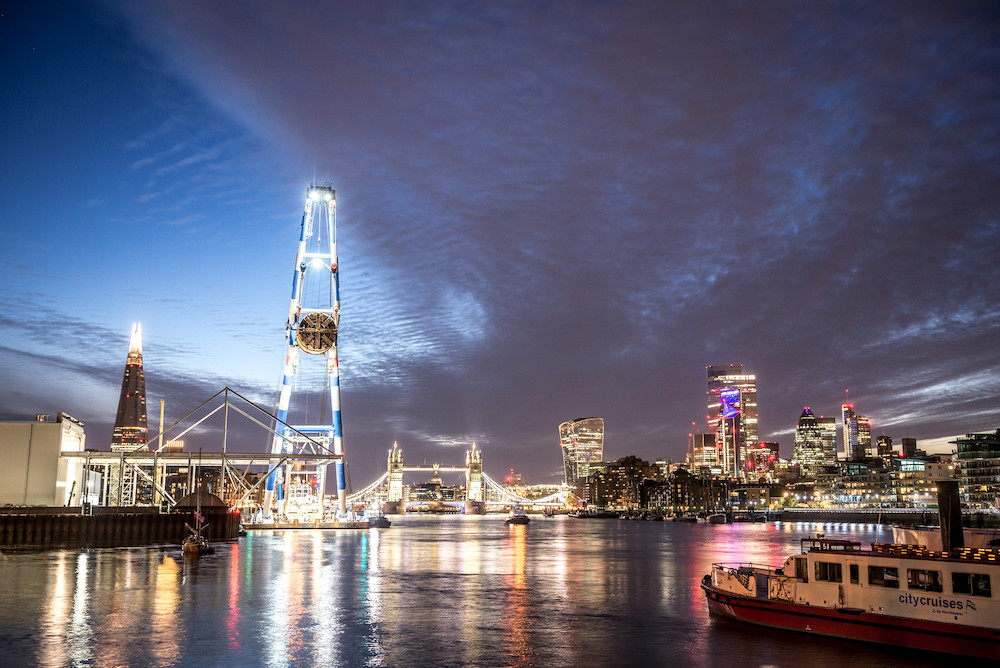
(518, 516)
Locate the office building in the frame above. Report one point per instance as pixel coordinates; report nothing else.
(732, 414)
(857, 434)
(811, 450)
(582, 443)
(131, 432)
(978, 458)
(704, 454)
(828, 435)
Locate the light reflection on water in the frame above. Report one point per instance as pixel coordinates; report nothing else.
(439, 590)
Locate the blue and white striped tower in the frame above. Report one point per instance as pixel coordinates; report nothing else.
(313, 320)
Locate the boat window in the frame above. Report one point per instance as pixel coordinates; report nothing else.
(926, 580)
(828, 572)
(883, 576)
(801, 569)
(976, 584)
(855, 578)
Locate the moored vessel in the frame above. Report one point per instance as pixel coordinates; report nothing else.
(891, 593)
(518, 515)
(376, 518)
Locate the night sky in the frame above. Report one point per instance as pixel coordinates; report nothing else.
(546, 211)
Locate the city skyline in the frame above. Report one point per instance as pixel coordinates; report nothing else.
(544, 212)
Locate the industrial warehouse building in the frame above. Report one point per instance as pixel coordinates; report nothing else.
(33, 472)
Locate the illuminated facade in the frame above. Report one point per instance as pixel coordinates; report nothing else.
(979, 469)
(131, 432)
(704, 454)
(732, 414)
(828, 434)
(762, 458)
(814, 443)
(857, 434)
(582, 442)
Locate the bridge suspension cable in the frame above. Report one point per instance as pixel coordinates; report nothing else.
(363, 495)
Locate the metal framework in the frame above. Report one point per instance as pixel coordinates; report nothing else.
(311, 327)
(142, 463)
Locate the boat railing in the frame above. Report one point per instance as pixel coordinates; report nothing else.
(749, 568)
(748, 571)
(830, 545)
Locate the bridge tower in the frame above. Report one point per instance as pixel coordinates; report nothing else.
(311, 328)
(474, 474)
(395, 475)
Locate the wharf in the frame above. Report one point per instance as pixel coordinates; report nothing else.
(48, 527)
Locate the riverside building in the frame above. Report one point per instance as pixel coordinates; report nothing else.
(978, 458)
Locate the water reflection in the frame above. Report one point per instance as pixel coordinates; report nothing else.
(517, 606)
(165, 636)
(429, 591)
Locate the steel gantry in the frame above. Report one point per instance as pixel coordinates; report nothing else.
(311, 327)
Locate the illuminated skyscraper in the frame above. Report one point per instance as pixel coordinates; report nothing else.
(732, 414)
(857, 434)
(865, 436)
(815, 444)
(704, 454)
(130, 431)
(828, 434)
(582, 442)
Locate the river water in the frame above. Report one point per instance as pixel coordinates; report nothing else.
(430, 591)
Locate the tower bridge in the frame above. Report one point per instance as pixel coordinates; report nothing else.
(481, 491)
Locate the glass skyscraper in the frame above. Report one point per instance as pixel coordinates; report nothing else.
(857, 434)
(582, 442)
(732, 414)
(815, 442)
(130, 432)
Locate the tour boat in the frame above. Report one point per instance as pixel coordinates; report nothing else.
(891, 593)
(518, 516)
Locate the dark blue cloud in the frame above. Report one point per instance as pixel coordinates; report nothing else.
(566, 209)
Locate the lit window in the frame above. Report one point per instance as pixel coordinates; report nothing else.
(926, 580)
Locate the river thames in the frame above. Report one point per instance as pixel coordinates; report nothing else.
(430, 591)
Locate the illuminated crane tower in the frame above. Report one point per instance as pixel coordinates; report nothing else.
(313, 318)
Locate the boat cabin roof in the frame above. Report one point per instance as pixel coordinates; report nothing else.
(830, 545)
(981, 555)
